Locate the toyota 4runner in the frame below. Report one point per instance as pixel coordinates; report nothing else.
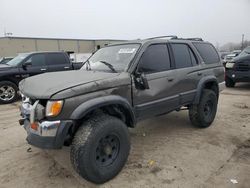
(119, 85)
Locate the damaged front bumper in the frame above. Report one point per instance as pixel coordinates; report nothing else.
(49, 135)
(44, 134)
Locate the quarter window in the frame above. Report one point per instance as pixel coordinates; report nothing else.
(207, 52)
(155, 59)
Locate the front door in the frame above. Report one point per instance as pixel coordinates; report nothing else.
(37, 66)
(161, 96)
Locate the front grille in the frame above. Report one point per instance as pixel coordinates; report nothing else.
(243, 67)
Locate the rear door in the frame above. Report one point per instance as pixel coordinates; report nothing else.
(187, 68)
(57, 62)
(161, 96)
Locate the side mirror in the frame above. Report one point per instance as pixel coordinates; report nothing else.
(141, 81)
(26, 64)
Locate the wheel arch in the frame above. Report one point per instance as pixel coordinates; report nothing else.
(113, 105)
(9, 80)
(209, 82)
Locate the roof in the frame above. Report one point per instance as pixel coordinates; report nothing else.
(160, 39)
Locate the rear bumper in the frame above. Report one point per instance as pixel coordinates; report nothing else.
(49, 135)
(238, 76)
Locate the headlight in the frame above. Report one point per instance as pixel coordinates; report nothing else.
(53, 108)
(230, 65)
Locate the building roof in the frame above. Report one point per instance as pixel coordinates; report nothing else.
(40, 38)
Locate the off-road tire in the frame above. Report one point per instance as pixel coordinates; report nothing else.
(229, 82)
(12, 85)
(202, 115)
(87, 141)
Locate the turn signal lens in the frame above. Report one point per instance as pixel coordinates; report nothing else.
(34, 126)
(53, 108)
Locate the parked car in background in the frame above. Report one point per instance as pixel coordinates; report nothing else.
(223, 54)
(5, 60)
(230, 56)
(79, 57)
(238, 69)
(30, 64)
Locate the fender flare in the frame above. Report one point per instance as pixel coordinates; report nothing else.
(90, 105)
(201, 85)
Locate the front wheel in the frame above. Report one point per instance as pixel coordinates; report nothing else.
(8, 92)
(100, 148)
(203, 114)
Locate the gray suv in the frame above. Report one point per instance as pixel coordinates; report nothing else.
(91, 109)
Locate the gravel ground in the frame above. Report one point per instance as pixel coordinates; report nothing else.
(167, 151)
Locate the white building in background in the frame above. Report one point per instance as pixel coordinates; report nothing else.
(11, 46)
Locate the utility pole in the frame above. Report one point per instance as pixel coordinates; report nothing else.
(242, 42)
(7, 34)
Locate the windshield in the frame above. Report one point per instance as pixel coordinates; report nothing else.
(112, 58)
(245, 52)
(18, 59)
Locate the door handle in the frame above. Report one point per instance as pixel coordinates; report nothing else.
(170, 79)
(199, 73)
(43, 69)
(66, 67)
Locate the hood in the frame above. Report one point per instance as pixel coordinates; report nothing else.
(45, 85)
(241, 58)
(4, 67)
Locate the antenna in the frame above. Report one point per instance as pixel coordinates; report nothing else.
(6, 34)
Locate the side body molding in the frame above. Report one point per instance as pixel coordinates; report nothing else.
(201, 85)
(96, 103)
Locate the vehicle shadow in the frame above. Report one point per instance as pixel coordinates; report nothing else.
(242, 86)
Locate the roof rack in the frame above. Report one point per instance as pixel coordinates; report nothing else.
(175, 38)
(160, 37)
(196, 39)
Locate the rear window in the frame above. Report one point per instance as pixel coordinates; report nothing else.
(207, 52)
(56, 59)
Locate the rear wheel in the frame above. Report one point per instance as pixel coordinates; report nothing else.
(8, 92)
(229, 82)
(203, 114)
(100, 148)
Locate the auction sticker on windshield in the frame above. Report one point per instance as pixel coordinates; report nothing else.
(126, 50)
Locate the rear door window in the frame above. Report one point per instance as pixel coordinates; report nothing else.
(207, 52)
(182, 55)
(56, 59)
(193, 57)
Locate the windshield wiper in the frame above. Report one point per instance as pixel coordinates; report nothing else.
(111, 67)
(88, 67)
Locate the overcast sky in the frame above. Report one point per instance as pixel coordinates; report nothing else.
(218, 21)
